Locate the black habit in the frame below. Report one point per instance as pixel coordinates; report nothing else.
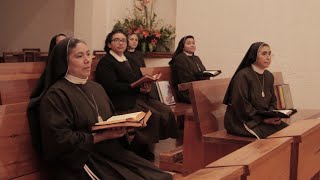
(184, 69)
(116, 78)
(244, 99)
(64, 118)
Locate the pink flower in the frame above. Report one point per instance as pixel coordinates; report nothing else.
(145, 33)
(157, 34)
(154, 41)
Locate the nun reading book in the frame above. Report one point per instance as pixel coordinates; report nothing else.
(61, 113)
(251, 92)
(116, 72)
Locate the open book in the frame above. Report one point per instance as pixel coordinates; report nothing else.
(131, 120)
(144, 79)
(286, 113)
(211, 73)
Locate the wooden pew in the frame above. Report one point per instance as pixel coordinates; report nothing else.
(262, 159)
(17, 87)
(306, 147)
(17, 156)
(13, 108)
(205, 129)
(222, 173)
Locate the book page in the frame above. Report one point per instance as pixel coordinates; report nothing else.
(137, 116)
(213, 72)
(285, 111)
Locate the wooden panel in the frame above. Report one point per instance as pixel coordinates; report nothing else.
(8, 97)
(222, 173)
(19, 76)
(22, 68)
(306, 133)
(264, 158)
(14, 108)
(223, 137)
(13, 125)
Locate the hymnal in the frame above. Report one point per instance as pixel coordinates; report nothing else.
(137, 119)
(145, 79)
(286, 113)
(211, 73)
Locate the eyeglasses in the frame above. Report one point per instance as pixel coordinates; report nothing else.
(117, 40)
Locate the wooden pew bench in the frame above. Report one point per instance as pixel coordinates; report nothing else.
(17, 156)
(306, 147)
(262, 159)
(205, 129)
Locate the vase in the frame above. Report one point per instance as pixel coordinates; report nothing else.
(151, 47)
(143, 47)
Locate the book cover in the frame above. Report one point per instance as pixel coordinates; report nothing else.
(285, 113)
(276, 92)
(145, 79)
(165, 92)
(281, 97)
(287, 96)
(211, 73)
(131, 120)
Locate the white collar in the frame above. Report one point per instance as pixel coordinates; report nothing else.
(118, 58)
(257, 69)
(75, 80)
(188, 54)
(131, 50)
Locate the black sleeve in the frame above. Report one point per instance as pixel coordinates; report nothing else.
(181, 69)
(241, 104)
(60, 139)
(108, 78)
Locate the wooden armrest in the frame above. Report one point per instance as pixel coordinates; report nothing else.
(184, 86)
(222, 137)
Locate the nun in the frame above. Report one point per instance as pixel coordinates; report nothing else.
(132, 53)
(55, 40)
(250, 90)
(115, 72)
(61, 113)
(185, 67)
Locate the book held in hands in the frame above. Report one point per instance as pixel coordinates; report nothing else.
(284, 113)
(130, 120)
(145, 79)
(211, 73)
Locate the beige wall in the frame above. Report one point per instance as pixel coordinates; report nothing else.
(224, 30)
(32, 23)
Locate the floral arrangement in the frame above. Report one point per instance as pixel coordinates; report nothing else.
(150, 30)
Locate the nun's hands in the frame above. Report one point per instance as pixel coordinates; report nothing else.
(273, 121)
(111, 133)
(145, 88)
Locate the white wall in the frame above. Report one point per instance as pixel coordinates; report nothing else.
(224, 30)
(32, 23)
(95, 19)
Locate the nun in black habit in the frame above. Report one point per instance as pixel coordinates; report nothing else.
(54, 41)
(251, 89)
(185, 67)
(115, 72)
(61, 113)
